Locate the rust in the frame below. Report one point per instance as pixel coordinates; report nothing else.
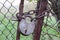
(21, 6)
(41, 6)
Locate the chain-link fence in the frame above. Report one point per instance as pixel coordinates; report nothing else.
(8, 27)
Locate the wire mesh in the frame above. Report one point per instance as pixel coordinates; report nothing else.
(8, 27)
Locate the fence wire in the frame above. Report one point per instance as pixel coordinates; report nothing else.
(8, 27)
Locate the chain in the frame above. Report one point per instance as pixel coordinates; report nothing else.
(28, 14)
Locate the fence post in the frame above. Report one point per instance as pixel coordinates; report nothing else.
(41, 6)
(20, 13)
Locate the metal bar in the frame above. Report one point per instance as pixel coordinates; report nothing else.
(20, 13)
(41, 6)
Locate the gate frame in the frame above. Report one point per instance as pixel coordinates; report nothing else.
(41, 6)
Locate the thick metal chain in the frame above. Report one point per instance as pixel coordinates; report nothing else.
(28, 14)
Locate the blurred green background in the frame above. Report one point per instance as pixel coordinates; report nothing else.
(8, 27)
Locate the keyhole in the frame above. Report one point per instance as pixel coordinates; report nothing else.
(25, 31)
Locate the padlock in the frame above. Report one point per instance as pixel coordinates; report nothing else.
(27, 26)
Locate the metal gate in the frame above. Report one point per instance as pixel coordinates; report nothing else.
(8, 24)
